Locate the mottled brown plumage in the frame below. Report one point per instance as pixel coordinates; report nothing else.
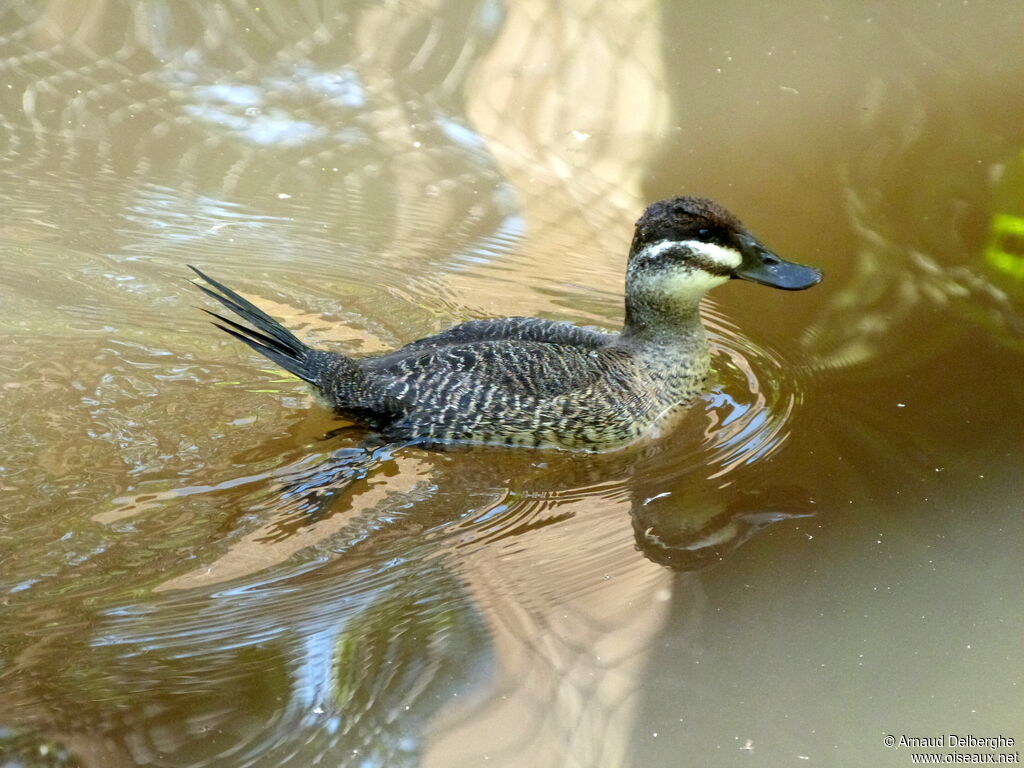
(531, 382)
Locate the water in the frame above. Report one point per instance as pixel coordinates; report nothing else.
(200, 567)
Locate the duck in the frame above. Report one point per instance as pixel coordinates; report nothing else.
(532, 382)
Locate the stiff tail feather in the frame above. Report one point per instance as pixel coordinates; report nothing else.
(270, 339)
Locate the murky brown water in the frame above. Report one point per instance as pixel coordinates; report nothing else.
(197, 568)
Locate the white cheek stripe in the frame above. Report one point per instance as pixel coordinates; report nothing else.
(726, 257)
(682, 284)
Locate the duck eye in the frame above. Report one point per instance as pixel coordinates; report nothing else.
(704, 234)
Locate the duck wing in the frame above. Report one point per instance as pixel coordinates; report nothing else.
(499, 371)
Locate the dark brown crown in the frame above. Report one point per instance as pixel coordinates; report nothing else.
(686, 218)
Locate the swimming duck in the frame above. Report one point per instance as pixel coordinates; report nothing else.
(524, 381)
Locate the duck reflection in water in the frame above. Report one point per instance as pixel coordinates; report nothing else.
(695, 525)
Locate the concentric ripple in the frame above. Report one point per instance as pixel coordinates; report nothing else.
(750, 406)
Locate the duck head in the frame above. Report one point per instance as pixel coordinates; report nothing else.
(685, 246)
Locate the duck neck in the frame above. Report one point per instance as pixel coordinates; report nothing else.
(654, 319)
(663, 291)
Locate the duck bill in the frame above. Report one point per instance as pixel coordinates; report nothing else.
(762, 266)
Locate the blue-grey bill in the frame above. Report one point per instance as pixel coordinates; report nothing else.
(777, 273)
(762, 266)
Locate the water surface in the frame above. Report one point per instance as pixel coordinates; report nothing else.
(200, 567)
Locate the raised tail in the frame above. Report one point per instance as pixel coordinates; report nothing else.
(270, 338)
